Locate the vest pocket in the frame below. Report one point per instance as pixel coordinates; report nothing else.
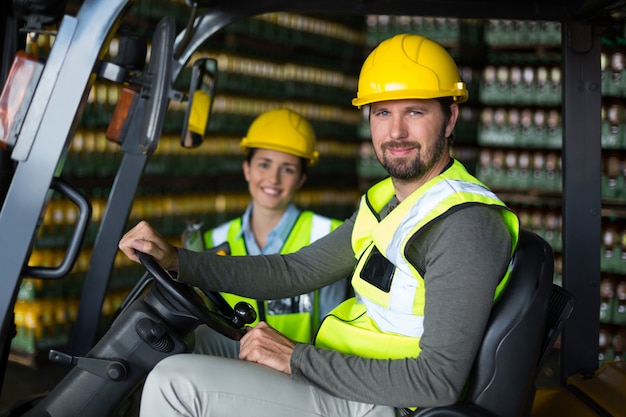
(378, 270)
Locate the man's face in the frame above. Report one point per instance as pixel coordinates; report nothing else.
(409, 136)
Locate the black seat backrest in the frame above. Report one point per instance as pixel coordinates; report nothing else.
(522, 328)
(502, 379)
(560, 308)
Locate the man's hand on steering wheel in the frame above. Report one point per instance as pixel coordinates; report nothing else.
(145, 239)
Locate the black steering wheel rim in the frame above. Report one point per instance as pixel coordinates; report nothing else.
(186, 296)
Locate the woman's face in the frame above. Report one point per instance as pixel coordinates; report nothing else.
(273, 178)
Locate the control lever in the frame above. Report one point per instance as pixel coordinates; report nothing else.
(243, 314)
(112, 369)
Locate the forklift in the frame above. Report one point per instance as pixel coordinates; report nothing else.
(41, 105)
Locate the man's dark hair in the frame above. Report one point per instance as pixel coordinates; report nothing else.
(445, 103)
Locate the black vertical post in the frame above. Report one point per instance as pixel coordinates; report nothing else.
(582, 199)
(85, 332)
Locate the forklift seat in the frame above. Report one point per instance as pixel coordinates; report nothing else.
(522, 329)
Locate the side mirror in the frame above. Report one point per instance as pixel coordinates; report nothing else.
(201, 95)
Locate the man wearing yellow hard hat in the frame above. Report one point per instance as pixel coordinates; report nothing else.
(428, 250)
(279, 146)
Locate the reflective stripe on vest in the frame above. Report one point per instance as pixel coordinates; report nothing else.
(220, 233)
(227, 232)
(321, 227)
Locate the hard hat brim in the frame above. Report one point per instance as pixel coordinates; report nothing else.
(459, 96)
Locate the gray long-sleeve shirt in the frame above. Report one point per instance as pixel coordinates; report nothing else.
(463, 256)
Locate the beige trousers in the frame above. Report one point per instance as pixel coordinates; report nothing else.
(202, 385)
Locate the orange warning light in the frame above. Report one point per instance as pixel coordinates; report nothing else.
(120, 114)
(17, 95)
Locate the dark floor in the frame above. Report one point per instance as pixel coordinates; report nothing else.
(23, 382)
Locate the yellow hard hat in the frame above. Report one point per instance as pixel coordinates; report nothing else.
(409, 67)
(282, 130)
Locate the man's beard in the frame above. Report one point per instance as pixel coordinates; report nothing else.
(416, 168)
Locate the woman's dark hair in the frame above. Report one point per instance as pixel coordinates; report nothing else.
(251, 151)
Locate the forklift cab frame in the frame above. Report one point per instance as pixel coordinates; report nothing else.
(36, 159)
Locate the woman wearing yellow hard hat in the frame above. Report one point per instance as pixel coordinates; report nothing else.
(279, 146)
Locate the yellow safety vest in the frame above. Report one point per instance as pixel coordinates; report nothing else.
(298, 317)
(385, 319)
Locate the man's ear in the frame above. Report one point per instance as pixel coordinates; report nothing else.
(454, 115)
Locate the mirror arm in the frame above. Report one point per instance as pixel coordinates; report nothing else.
(188, 31)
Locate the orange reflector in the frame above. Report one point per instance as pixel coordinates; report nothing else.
(17, 95)
(120, 114)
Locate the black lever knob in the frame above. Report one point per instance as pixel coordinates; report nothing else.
(154, 334)
(243, 314)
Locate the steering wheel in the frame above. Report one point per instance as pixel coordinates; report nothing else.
(185, 295)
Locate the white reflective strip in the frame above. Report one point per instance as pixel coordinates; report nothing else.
(320, 227)
(402, 292)
(220, 233)
(425, 205)
(393, 321)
